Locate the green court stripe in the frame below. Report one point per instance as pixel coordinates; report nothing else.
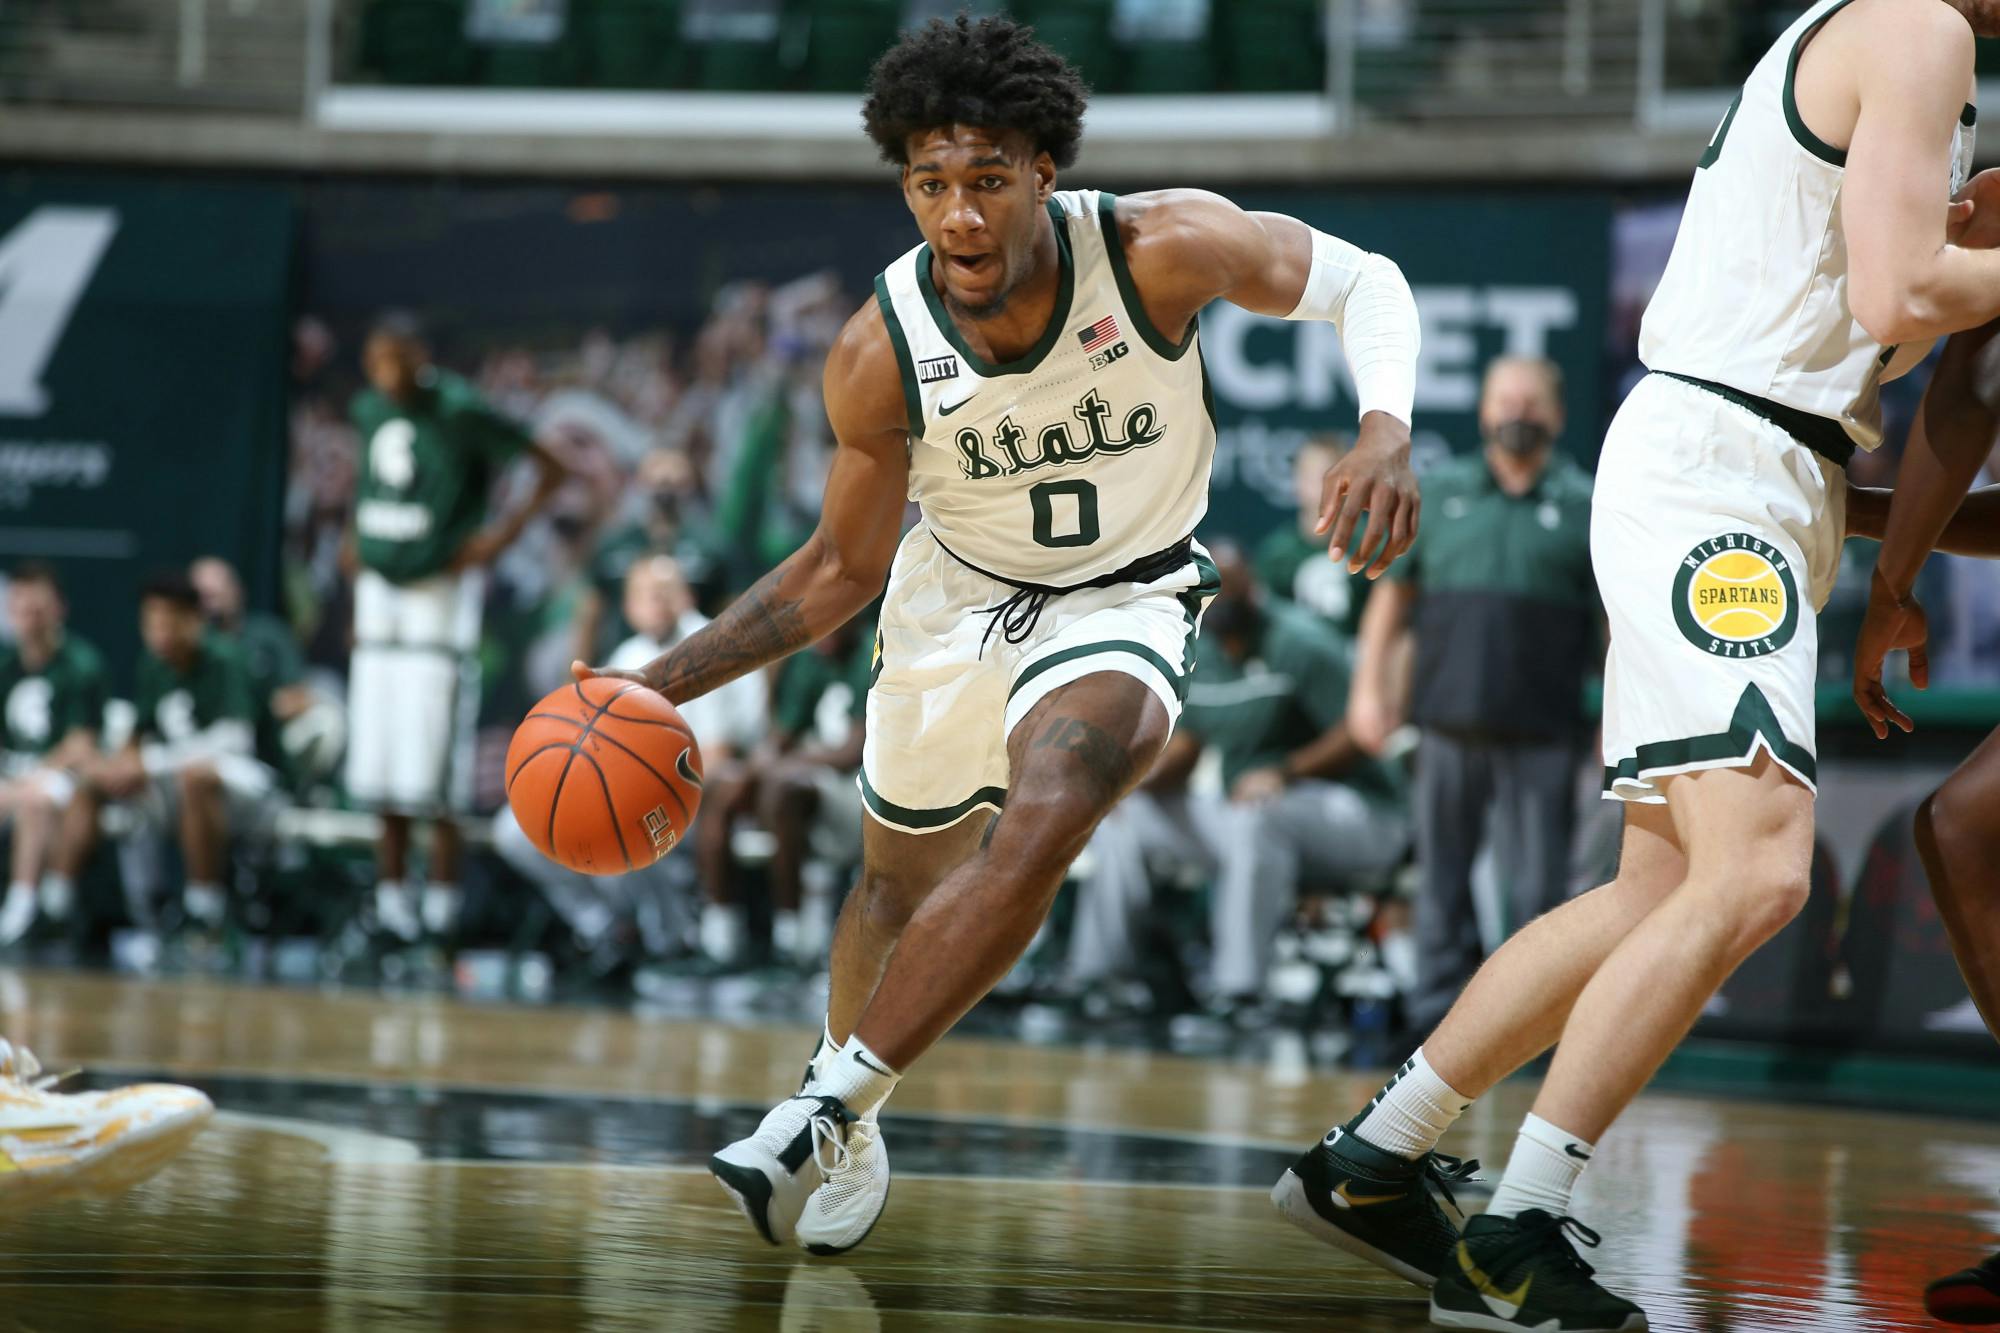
(1753, 719)
(1128, 290)
(1174, 678)
(913, 399)
(1809, 141)
(928, 819)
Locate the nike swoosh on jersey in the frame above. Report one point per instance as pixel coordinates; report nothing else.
(944, 411)
(1506, 1304)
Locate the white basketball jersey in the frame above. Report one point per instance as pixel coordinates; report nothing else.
(1089, 451)
(1755, 294)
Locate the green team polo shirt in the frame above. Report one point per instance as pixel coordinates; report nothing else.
(1291, 688)
(40, 707)
(427, 468)
(1296, 568)
(174, 705)
(1506, 615)
(809, 678)
(271, 655)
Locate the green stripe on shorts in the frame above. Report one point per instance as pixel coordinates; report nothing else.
(891, 813)
(1175, 679)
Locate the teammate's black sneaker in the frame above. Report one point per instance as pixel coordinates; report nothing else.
(1386, 1209)
(1969, 1296)
(1523, 1273)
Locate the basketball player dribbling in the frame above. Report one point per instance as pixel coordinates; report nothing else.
(1816, 258)
(1031, 375)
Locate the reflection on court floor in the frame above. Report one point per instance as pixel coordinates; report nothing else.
(412, 1162)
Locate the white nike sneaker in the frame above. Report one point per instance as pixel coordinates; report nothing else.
(54, 1144)
(17, 914)
(848, 1204)
(772, 1173)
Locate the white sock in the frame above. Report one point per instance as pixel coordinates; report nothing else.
(58, 893)
(785, 935)
(396, 910)
(1542, 1171)
(440, 907)
(722, 931)
(1412, 1112)
(828, 1051)
(858, 1078)
(204, 902)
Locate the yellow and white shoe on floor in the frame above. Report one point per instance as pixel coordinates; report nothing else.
(54, 1145)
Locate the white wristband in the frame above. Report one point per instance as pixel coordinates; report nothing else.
(1366, 298)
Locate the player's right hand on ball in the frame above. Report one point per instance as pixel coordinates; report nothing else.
(584, 671)
(1892, 623)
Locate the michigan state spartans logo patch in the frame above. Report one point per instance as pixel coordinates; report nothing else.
(1734, 596)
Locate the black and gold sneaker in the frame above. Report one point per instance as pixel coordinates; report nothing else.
(1969, 1296)
(1393, 1212)
(1523, 1273)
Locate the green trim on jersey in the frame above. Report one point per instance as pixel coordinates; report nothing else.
(1809, 141)
(1031, 359)
(913, 397)
(1176, 682)
(1128, 290)
(1753, 721)
(1192, 603)
(892, 813)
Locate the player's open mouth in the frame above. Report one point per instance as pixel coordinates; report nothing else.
(971, 266)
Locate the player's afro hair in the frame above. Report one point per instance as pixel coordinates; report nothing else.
(989, 72)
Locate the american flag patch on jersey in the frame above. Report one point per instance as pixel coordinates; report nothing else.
(1098, 334)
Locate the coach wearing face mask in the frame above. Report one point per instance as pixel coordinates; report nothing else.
(1499, 596)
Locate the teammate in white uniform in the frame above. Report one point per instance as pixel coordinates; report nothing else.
(1031, 375)
(1813, 261)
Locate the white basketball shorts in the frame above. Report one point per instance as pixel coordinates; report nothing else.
(943, 702)
(1716, 537)
(413, 693)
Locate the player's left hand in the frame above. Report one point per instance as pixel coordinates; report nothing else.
(1892, 622)
(480, 550)
(1973, 220)
(1374, 478)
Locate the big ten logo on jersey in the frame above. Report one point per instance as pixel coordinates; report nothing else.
(1102, 343)
(1010, 453)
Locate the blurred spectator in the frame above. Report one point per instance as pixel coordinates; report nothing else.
(650, 902)
(52, 695)
(1505, 606)
(1292, 561)
(432, 453)
(189, 766)
(1299, 798)
(808, 797)
(270, 652)
(664, 514)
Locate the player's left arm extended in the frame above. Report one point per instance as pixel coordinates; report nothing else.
(485, 545)
(1951, 437)
(1189, 247)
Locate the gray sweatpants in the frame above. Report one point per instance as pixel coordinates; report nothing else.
(1255, 855)
(1529, 791)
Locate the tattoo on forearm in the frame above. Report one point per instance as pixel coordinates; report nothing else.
(759, 627)
(1106, 763)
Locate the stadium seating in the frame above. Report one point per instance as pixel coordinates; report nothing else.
(843, 38)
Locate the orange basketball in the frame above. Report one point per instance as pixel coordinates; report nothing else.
(604, 776)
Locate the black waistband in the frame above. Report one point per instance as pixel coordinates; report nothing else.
(1145, 569)
(1823, 435)
(1018, 615)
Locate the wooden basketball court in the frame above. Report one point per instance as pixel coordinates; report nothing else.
(417, 1161)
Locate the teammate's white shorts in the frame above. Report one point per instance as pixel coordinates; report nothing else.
(940, 709)
(413, 693)
(1716, 538)
(55, 783)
